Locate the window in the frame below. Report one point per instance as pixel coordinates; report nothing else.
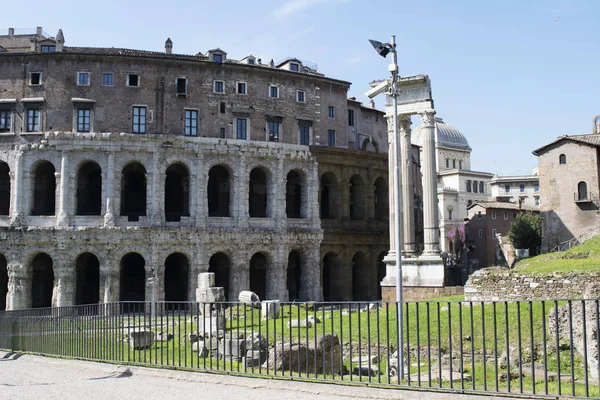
(521, 188)
(493, 214)
(582, 193)
(274, 131)
(242, 124)
(536, 187)
(219, 87)
(107, 79)
(331, 137)
(304, 134)
(447, 163)
(474, 186)
(505, 214)
(536, 200)
(218, 58)
(469, 186)
(273, 91)
(139, 119)
(35, 78)
(506, 188)
(191, 123)
(83, 78)
(459, 164)
(32, 124)
(481, 187)
(222, 133)
(251, 61)
(133, 80)
(83, 119)
(350, 117)
(331, 112)
(181, 87)
(294, 67)
(449, 213)
(222, 107)
(241, 88)
(480, 234)
(494, 233)
(562, 159)
(376, 117)
(5, 121)
(48, 48)
(300, 96)
(454, 164)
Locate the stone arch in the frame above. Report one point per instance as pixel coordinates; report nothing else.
(220, 265)
(381, 272)
(87, 279)
(44, 188)
(176, 281)
(294, 274)
(365, 144)
(219, 192)
(329, 196)
(381, 199)
(258, 275)
(294, 196)
(3, 282)
(132, 279)
(89, 189)
(331, 266)
(257, 193)
(42, 281)
(177, 192)
(133, 191)
(4, 188)
(357, 197)
(361, 278)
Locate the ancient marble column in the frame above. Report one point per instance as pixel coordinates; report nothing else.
(391, 166)
(310, 278)
(276, 282)
(408, 203)
(109, 282)
(62, 219)
(310, 198)
(428, 166)
(19, 287)
(63, 294)
(239, 193)
(17, 209)
(277, 203)
(156, 210)
(109, 216)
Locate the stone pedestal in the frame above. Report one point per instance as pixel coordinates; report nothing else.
(424, 271)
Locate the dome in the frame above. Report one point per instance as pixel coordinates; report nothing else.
(447, 136)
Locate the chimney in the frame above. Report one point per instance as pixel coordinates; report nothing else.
(598, 127)
(372, 103)
(259, 61)
(271, 63)
(60, 40)
(38, 31)
(11, 32)
(169, 46)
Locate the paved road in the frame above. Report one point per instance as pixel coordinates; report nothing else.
(42, 378)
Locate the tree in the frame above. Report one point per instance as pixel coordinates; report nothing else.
(526, 231)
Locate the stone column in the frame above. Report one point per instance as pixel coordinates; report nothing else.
(63, 294)
(202, 194)
(311, 197)
(109, 216)
(311, 286)
(278, 203)
(156, 194)
(19, 287)
(276, 283)
(391, 166)
(408, 203)
(239, 195)
(109, 281)
(17, 208)
(62, 219)
(430, 206)
(239, 275)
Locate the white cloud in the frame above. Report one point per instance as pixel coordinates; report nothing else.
(291, 7)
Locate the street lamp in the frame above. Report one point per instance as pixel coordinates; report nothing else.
(383, 49)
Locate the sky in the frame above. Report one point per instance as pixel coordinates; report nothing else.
(511, 75)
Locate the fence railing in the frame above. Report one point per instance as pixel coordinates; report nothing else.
(537, 348)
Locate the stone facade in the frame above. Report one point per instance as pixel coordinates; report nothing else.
(119, 165)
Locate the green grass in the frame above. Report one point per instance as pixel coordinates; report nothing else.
(582, 258)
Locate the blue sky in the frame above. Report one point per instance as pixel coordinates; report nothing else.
(508, 74)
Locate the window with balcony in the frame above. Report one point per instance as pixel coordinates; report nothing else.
(582, 193)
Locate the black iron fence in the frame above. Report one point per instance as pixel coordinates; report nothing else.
(539, 348)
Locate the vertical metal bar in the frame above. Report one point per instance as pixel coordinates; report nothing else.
(450, 342)
(571, 345)
(471, 320)
(585, 349)
(598, 334)
(507, 340)
(331, 343)
(368, 312)
(532, 346)
(520, 345)
(407, 340)
(483, 348)
(360, 342)
(545, 347)
(387, 334)
(495, 320)
(418, 335)
(340, 307)
(439, 342)
(378, 331)
(351, 338)
(557, 338)
(460, 345)
(427, 308)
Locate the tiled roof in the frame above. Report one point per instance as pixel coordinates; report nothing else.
(504, 205)
(114, 51)
(592, 139)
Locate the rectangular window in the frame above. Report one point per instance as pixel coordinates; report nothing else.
(241, 88)
(219, 87)
(191, 123)
(481, 187)
(376, 117)
(469, 186)
(222, 107)
(181, 86)
(273, 91)
(83, 119)
(241, 124)
(5, 121)
(46, 48)
(35, 78)
(505, 214)
(33, 120)
(107, 79)
(474, 186)
(331, 112)
(218, 58)
(536, 187)
(521, 188)
(139, 119)
(222, 133)
(250, 61)
(350, 117)
(294, 67)
(331, 137)
(493, 214)
(506, 188)
(274, 131)
(300, 96)
(304, 135)
(133, 80)
(537, 201)
(83, 78)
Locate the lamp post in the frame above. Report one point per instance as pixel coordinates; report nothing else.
(383, 49)
(152, 282)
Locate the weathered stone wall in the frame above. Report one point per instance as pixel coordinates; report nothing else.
(497, 283)
(421, 293)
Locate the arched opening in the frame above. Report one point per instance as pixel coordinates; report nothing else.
(582, 193)
(562, 159)
(361, 281)
(381, 273)
(177, 193)
(258, 275)
(328, 196)
(357, 198)
(44, 189)
(3, 282)
(294, 271)
(42, 281)
(89, 189)
(381, 200)
(220, 265)
(257, 196)
(4, 189)
(176, 281)
(293, 195)
(87, 272)
(218, 192)
(331, 267)
(133, 281)
(133, 191)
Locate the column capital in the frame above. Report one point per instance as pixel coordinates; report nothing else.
(404, 124)
(427, 117)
